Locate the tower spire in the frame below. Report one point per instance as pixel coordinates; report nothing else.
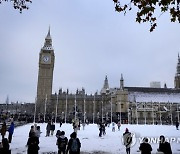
(49, 33)
(177, 76)
(105, 86)
(121, 82)
(178, 66)
(48, 41)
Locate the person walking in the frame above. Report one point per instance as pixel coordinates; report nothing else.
(38, 131)
(11, 131)
(31, 131)
(113, 126)
(58, 133)
(74, 144)
(119, 125)
(5, 146)
(52, 128)
(127, 137)
(100, 129)
(48, 127)
(62, 143)
(3, 129)
(164, 146)
(177, 125)
(33, 144)
(145, 147)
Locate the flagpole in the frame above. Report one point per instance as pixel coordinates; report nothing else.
(111, 108)
(84, 109)
(160, 113)
(45, 109)
(56, 109)
(144, 113)
(171, 113)
(178, 112)
(93, 108)
(75, 108)
(136, 114)
(66, 109)
(152, 112)
(35, 110)
(102, 112)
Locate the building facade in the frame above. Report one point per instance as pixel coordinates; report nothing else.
(140, 105)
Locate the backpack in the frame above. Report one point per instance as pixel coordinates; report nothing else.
(74, 146)
(62, 142)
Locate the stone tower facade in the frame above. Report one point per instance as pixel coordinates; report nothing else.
(177, 76)
(45, 76)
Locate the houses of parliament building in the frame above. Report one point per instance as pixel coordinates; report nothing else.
(133, 105)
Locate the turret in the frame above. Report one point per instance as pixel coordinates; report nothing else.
(177, 76)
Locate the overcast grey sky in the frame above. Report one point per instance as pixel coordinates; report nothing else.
(90, 41)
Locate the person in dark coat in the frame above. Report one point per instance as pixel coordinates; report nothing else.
(177, 125)
(164, 146)
(62, 143)
(60, 123)
(33, 144)
(145, 147)
(100, 129)
(48, 127)
(52, 128)
(74, 144)
(3, 129)
(31, 131)
(58, 134)
(127, 137)
(5, 146)
(11, 131)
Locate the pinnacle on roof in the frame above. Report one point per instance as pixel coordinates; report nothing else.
(122, 76)
(178, 66)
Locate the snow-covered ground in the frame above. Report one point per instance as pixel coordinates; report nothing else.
(111, 143)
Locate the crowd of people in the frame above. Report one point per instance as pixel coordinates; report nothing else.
(145, 147)
(4, 144)
(64, 145)
(73, 145)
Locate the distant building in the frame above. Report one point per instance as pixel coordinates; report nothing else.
(145, 105)
(155, 84)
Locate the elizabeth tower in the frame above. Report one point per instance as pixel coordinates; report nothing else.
(45, 76)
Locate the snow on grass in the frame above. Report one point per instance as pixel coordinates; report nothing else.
(111, 143)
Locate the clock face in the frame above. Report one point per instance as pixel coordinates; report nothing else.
(46, 59)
